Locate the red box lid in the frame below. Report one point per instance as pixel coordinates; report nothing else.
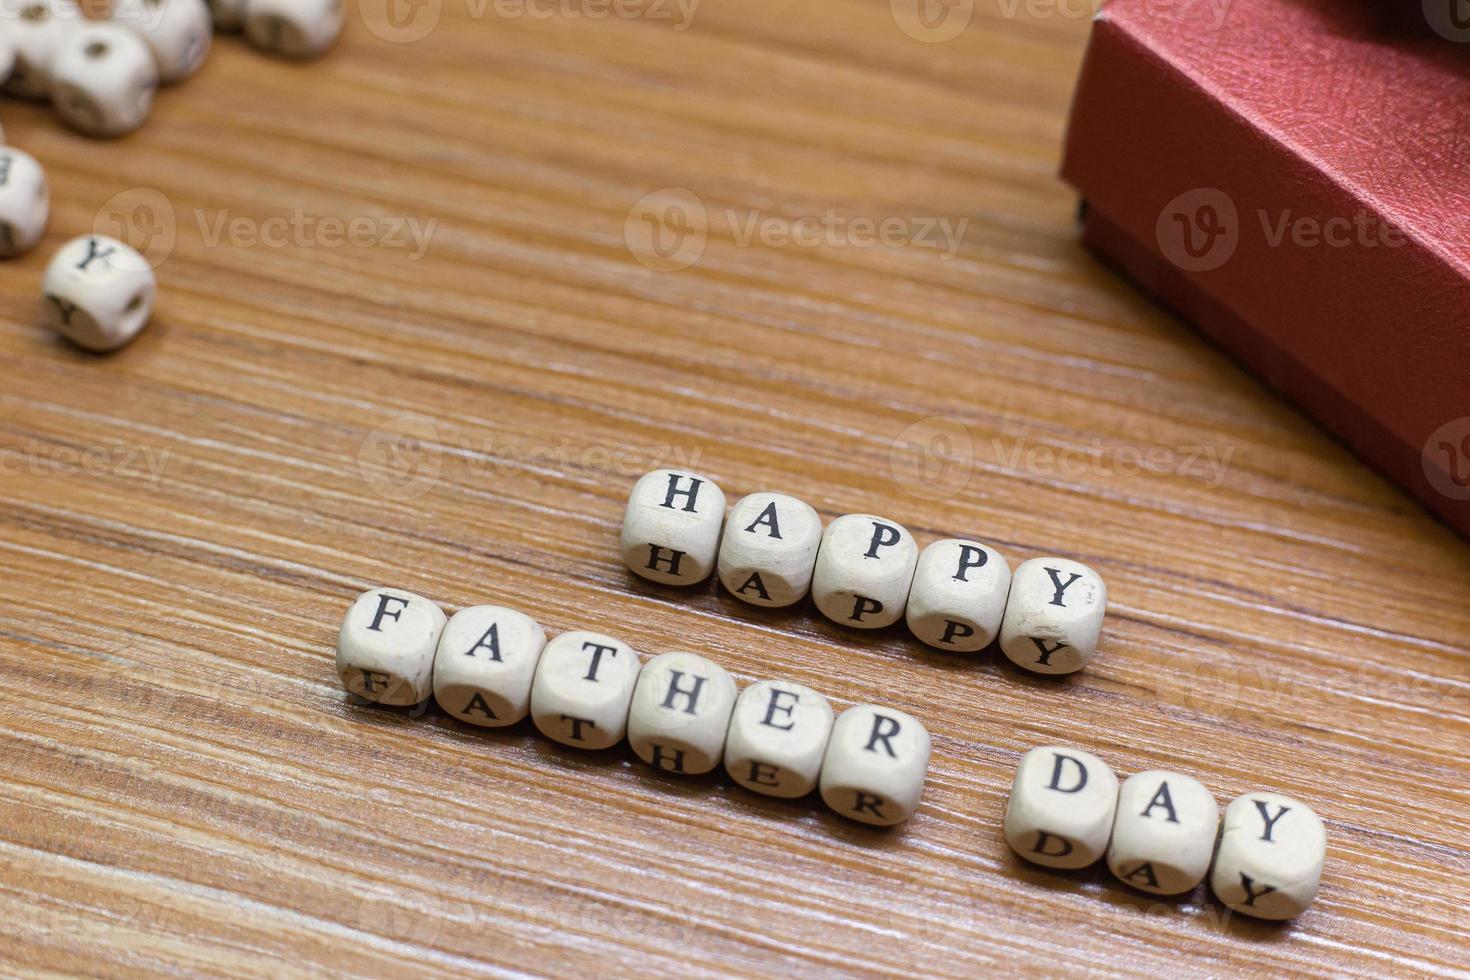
(1293, 176)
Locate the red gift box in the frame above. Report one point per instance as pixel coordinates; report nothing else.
(1293, 178)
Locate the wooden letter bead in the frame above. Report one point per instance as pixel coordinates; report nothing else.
(99, 292)
(681, 713)
(769, 549)
(1061, 809)
(178, 32)
(36, 28)
(1269, 859)
(103, 80)
(959, 595)
(1164, 832)
(875, 765)
(385, 652)
(583, 685)
(228, 15)
(1053, 616)
(485, 665)
(778, 737)
(25, 202)
(293, 28)
(864, 570)
(671, 529)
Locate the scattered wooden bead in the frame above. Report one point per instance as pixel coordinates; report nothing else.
(99, 292)
(864, 569)
(1053, 616)
(25, 202)
(671, 528)
(485, 664)
(1270, 856)
(875, 763)
(584, 684)
(385, 652)
(36, 29)
(293, 28)
(778, 738)
(1060, 814)
(958, 595)
(769, 549)
(1164, 832)
(103, 80)
(680, 713)
(178, 32)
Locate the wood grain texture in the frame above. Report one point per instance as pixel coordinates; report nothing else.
(182, 525)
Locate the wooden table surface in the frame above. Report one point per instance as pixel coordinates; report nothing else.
(182, 525)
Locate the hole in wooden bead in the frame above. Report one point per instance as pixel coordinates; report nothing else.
(135, 304)
(96, 49)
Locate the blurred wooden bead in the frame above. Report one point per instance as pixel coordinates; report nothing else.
(228, 15)
(959, 595)
(584, 683)
(769, 549)
(1269, 859)
(178, 32)
(99, 292)
(1163, 833)
(874, 767)
(865, 567)
(103, 80)
(486, 663)
(681, 713)
(36, 30)
(385, 652)
(1061, 809)
(778, 738)
(1053, 616)
(293, 28)
(25, 202)
(671, 528)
